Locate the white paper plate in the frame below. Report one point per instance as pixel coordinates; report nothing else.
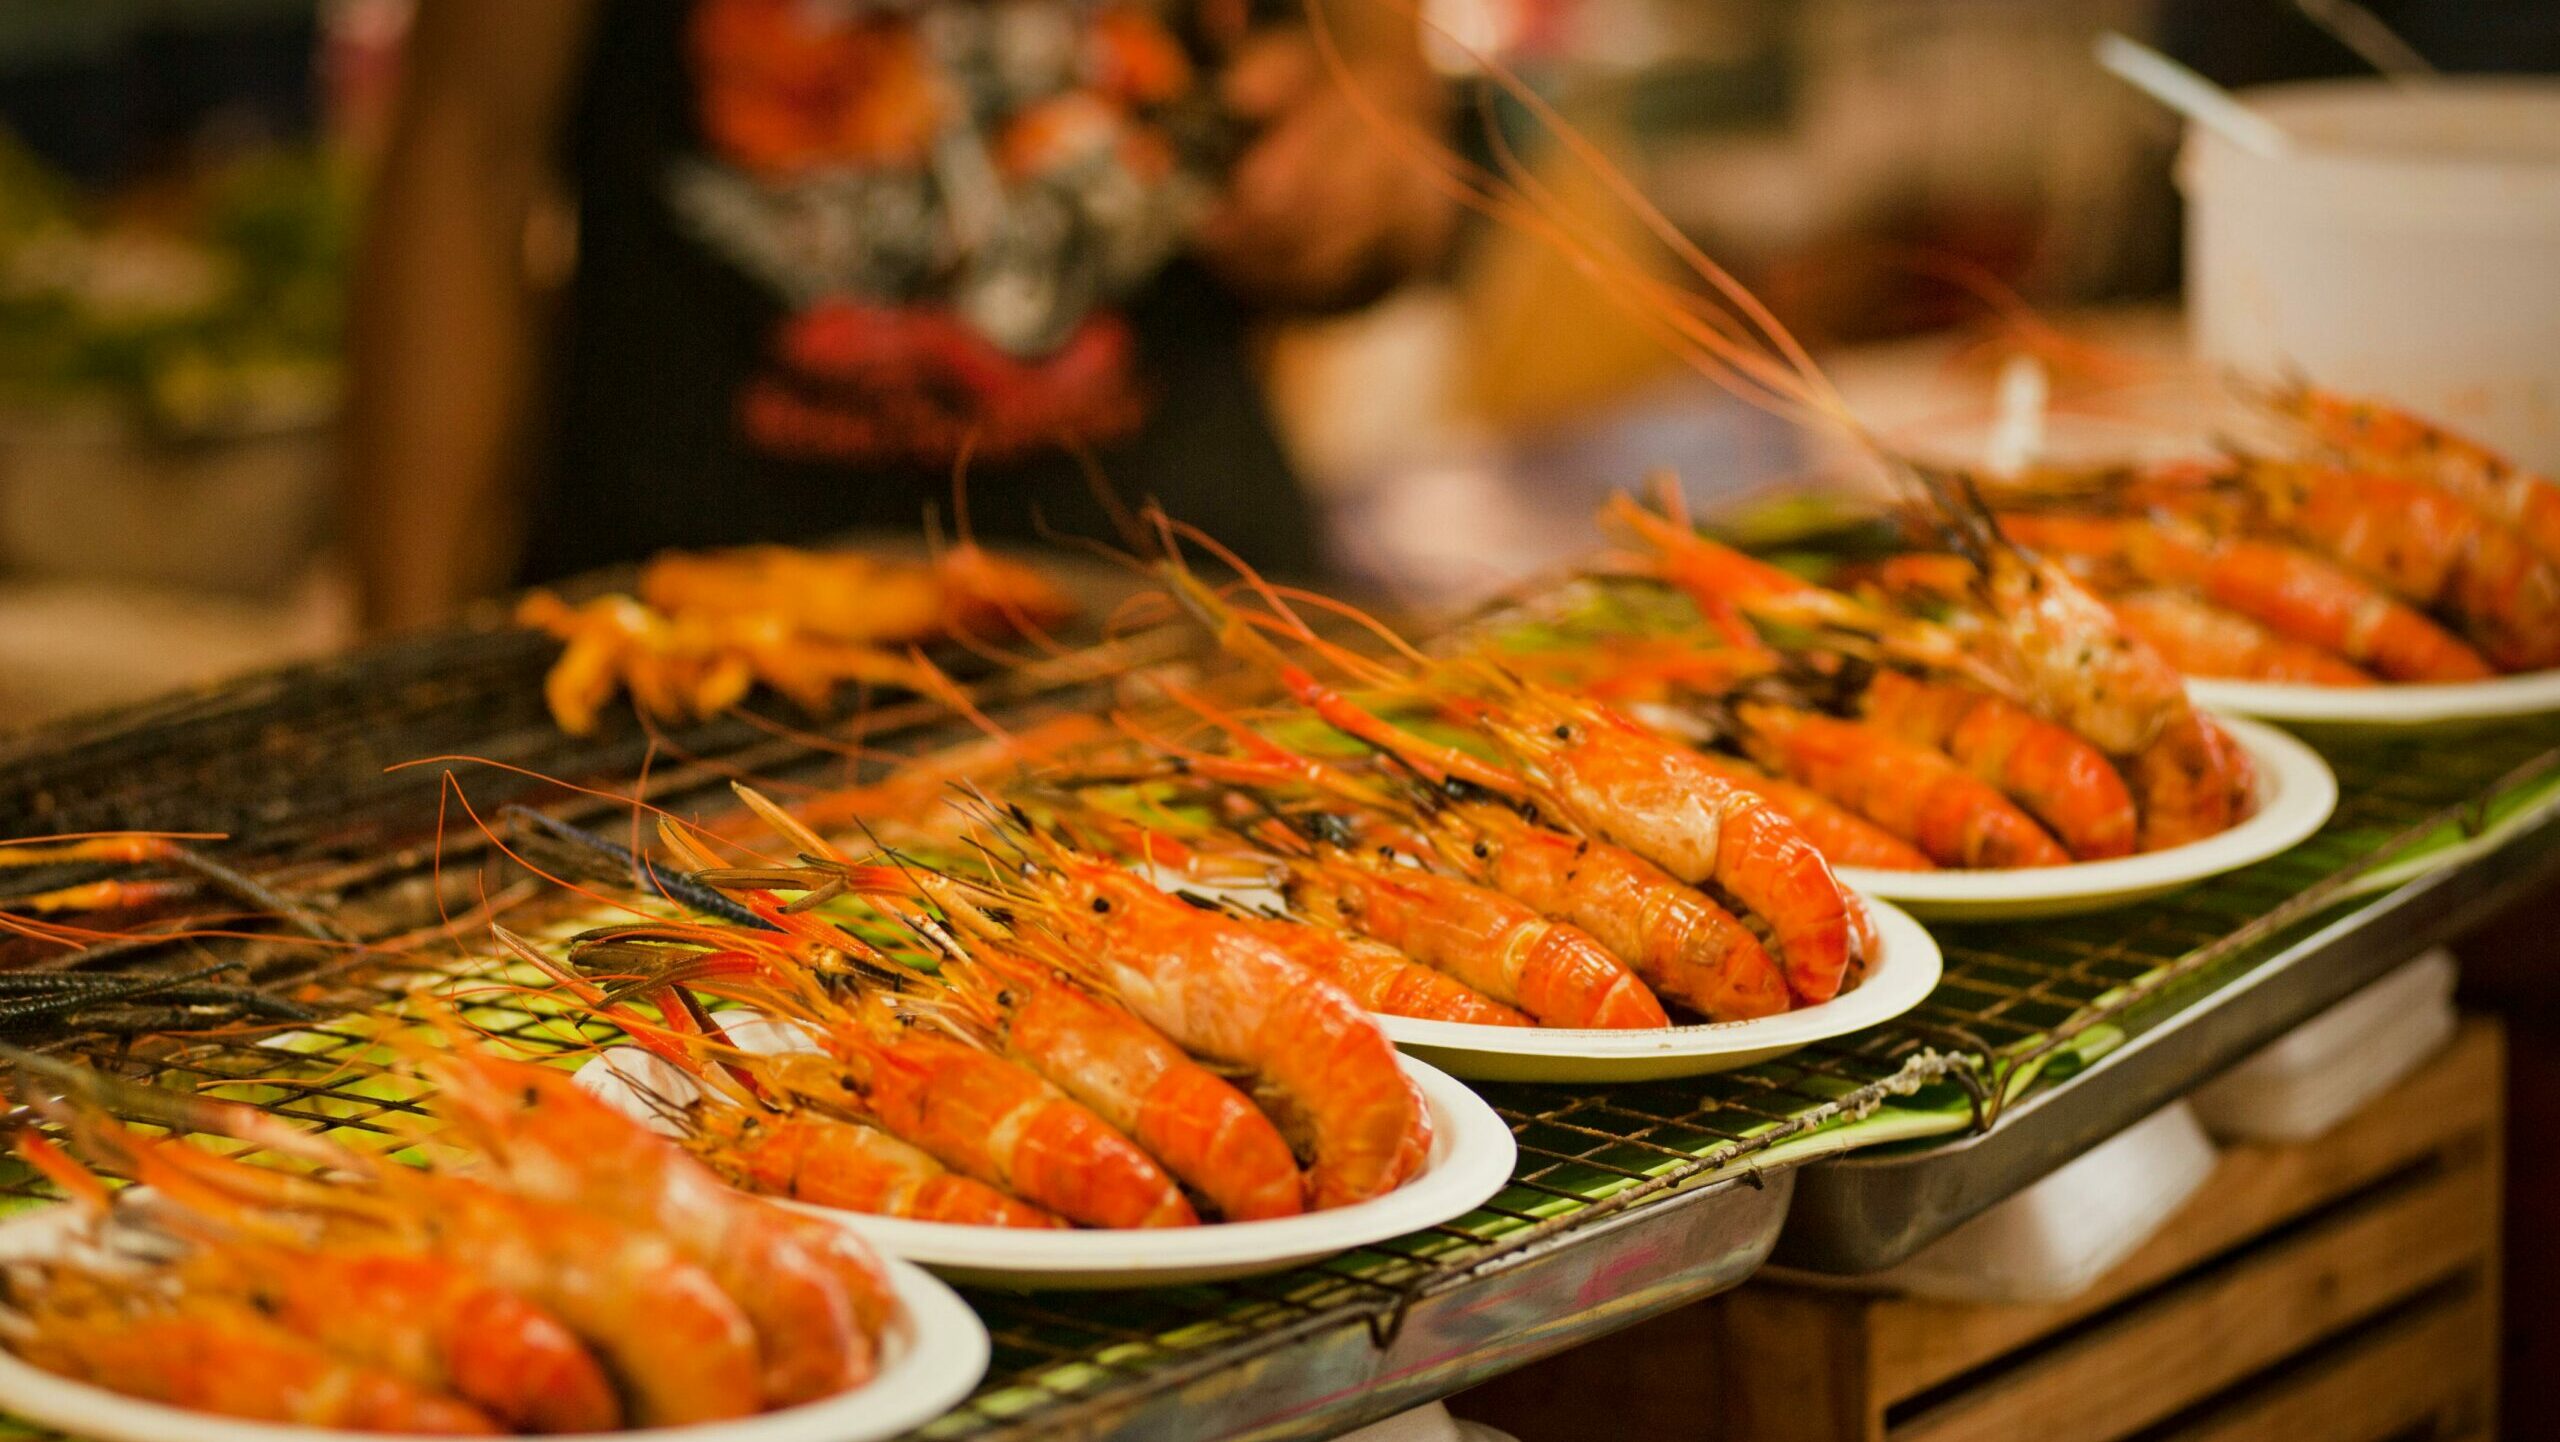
(1903, 972)
(1471, 1158)
(928, 1364)
(2390, 705)
(2296, 792)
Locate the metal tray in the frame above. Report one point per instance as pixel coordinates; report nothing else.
(1338, 1372)
(1868, 1211)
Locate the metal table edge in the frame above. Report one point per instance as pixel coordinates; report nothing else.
(1563, 1291)
(1868, 1211)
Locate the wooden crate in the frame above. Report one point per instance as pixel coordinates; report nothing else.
(2340, 1290)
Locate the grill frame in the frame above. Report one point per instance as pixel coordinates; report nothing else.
(1609, 1176)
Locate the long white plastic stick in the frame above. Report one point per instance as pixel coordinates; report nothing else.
(2191, 95)
(2374, 42)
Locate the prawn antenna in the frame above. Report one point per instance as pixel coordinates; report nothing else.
(602, 854)
(787, 826)
(87, 1086)
(1963, 516)
(1106, 495)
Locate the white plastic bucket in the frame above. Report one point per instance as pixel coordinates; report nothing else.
(2407, 246)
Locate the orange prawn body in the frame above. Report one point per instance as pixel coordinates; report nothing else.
(2031, 635)
(1610, 777)
(1225, 994)
(1204, 1131)
(2202, 639)
(2063, 781)
(1617, 781)
(2073, 662)
(228, 1360)
(2070, 658)
(683, 1349)
(1842, 836)
(2386, 438)
(1917, 794)
(2431, 549)
(1678, 940)
(816, 1314)
(2300, 595)
(1383, 979)
(997, 1121)
(830, 1163)
(2281, 587)
(2195, 782)
(428, 1321)
(1557, 973)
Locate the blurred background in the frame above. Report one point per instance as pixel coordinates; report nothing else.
(182, 181)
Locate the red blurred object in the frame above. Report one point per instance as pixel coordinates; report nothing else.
(863, 381)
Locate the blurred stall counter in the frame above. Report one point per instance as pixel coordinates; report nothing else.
(86, 495)
(132, 565)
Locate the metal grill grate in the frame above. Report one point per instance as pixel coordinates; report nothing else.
(2018, 993)
(2012, 996)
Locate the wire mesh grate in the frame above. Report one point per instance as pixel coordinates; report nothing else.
(2010, 994)
(2014, 990)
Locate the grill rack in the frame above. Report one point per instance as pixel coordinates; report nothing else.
(2397, 795)
(2013, 1000)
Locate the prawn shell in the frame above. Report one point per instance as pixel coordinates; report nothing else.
(2060, 779)
(2383, 437)
(2284, 588)
(2202, 639)
(680, 1347)
(1842, 836)
(2430, 548)
(1619, 782)
(1226, 995)
(1384, 979)
(856, 1168)
(554, 1140)
(1558, 974)
(1680, 942)
(519, 1364)
(1912, 791)
(235, 1364)
(1204, 1131)
(2196, 781)
(425, 1319)
(997, 1121)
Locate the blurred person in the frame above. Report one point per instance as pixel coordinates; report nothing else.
(830, 253)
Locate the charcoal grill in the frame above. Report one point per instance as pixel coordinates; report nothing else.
(1627, 1200)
